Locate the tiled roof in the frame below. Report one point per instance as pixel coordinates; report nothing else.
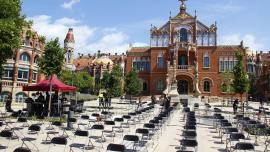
(82, 62)
(69, 36)
(139, 49)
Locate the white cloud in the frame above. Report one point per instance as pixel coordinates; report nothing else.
(69, 5)
(249, 41)
(88, 39)
(228, 7)
(67, 21)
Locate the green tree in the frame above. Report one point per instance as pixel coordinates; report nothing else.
(11, 23)
(52, 60)
(227, 79)
(67, 77)
(82, 80)
(113, 82)
(133, 84)
(240, 82)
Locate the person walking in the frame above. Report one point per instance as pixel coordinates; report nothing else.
(235, 105)
(106, 101)
(140, 103)
(153, 100)
(100, 100)
(8, 103)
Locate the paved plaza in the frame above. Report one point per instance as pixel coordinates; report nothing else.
(164, 138)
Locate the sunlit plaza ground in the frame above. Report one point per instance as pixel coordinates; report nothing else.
(165, 136)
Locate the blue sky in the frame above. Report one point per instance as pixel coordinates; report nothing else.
(112, 25)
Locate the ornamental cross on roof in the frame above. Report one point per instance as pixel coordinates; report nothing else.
(183, 1)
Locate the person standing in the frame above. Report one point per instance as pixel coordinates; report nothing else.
(153, 100)
(235, 105)
(140, 103)
(100, 100)
(8, 103)
(168, 103)
(106, 100)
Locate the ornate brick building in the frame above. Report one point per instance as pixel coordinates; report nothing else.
(183, 51)
(22, 69)
(98, 63)
(260, 75)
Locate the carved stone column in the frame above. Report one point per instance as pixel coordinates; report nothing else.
(196, 78)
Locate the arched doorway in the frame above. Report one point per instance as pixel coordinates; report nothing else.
(182, 87)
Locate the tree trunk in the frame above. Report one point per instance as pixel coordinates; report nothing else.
(50, 100)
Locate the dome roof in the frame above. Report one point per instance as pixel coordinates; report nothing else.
(104, 60)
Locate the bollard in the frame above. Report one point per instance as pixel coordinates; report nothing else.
(70, 115)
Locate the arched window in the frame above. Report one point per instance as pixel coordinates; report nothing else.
(160, 61)
(160, 85)
(183, 35)
(206, 86)
(25, 57)
(206, 61)
(36, 59)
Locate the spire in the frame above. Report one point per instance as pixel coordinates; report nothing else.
(70, 36)
(183, 6)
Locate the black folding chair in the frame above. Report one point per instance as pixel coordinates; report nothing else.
(119, 124)
(143, 132)
(23, 120)
(116, 147)
(234, 137)
(85, 145)
(132, 138)
(61, 141)
(8, 134)
(98, 137)
(22, 149)
(108, 128)
(126, 124)
(188, 143)
(84, 121)
(190, 127)
(32, 130)
(242, 146)
(189, 135)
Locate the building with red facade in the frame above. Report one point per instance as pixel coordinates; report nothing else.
(183, 51)
(22, 69)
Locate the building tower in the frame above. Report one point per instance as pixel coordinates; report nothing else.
(69, 44)
(259, 64)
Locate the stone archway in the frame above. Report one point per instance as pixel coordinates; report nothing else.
(185, 84)
(182, 87)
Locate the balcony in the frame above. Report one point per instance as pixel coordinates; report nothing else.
(185, 67)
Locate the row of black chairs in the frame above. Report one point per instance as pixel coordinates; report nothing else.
(235, 139)
(146, 133)
(189, 143)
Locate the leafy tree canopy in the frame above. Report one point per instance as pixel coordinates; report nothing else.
(113, 82)
(133, 84)
(82, 80)
(11, 23)
(227, 78)
(240, 82)
(52, 60)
